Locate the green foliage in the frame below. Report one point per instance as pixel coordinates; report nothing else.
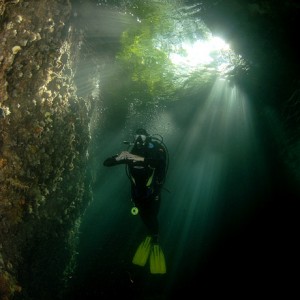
(162, 28)
(143, 58)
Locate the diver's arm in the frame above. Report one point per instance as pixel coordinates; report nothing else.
(117, 159)
(133, 157)
(124, 157)
(111, 161)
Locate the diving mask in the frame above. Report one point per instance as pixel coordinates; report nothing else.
(141, 137)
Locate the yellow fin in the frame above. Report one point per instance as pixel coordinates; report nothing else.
(142, 253)
(157, 260)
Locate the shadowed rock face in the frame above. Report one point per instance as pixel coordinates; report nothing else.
(43, 145)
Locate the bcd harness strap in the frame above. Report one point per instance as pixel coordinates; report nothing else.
(150, 179)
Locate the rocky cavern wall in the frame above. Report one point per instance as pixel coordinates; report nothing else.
(44, 137)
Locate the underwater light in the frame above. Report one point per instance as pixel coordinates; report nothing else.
(201, 52)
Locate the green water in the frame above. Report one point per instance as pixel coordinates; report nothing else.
(222, 218)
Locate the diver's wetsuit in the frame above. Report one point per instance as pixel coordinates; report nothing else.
(146, 181)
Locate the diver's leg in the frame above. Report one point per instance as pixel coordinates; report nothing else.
(148, 213)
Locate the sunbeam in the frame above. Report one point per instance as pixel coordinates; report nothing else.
(219, 138)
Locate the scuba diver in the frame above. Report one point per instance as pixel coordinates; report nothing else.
(146, 167)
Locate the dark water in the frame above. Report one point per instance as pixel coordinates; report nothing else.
(227, 220)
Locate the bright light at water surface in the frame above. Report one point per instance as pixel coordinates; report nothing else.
(201, 53)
